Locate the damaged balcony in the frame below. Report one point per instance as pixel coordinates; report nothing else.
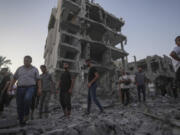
(68, 39)
(102, 32)
(97, 52)
(113, 22)
(69, 22)
(113, 38)
(116, 53)
(98, 14)
(68, 52)
(72, 5)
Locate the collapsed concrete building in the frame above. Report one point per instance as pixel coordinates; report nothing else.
(157, 69)
(78, 30)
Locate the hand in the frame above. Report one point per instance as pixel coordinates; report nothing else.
(70, 91)
(39, 92)
(89, 85)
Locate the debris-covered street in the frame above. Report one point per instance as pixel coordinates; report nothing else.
(160, 116)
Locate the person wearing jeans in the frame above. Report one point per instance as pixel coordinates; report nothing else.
(26, 76)
(92, 96)
(92, 78)
(24, 100)
(141, 89)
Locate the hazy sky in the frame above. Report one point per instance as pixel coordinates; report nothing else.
(151, 26)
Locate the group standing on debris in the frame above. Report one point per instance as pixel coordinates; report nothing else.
(34, 89)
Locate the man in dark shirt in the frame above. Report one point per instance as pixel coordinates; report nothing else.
(66, 85)
(3, 88)
(92, 85)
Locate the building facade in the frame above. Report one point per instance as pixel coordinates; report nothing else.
(80, 30)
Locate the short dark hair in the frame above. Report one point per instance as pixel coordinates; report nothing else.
(177, 38)
(28, 57)
(43, 66)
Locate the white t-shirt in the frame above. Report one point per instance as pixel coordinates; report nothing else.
(176, 63)
(151, 87)
(125, 77)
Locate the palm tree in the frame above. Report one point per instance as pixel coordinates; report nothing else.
(4, 62)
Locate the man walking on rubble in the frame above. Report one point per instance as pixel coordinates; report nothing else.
(175, 54)
(140, 80)
(26, 77)
(47, 85)
(66, 86)
(93, 76)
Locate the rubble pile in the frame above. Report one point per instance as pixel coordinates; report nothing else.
(160, 116)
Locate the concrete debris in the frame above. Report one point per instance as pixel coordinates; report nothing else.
(152, 117)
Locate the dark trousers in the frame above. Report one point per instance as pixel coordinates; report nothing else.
(163, 90)
(92, 95)
(65, 100)
(141, 89)
(44, 102)
(125, 92)
(24, 101)
(178, 78)
(4, 100)
(177, 82)
(35, 101)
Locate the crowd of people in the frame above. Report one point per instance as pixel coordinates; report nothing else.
(34, 90)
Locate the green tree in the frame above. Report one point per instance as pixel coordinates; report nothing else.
(4, 62)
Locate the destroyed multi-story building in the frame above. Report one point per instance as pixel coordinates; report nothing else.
(80, 30)
(156, 68)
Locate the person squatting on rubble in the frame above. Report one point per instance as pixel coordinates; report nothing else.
(66, 86)
(175, 54)
(125, 84)
(47, 88)
(4, 97)
(93, 76)
(26, 77)
(140, 80)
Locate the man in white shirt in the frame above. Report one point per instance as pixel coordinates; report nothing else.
(125, 84)
(175, 54)
(151, 88)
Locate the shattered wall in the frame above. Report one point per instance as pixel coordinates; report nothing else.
(79, 29)
(157, 69)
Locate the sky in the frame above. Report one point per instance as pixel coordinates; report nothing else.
(150, 26)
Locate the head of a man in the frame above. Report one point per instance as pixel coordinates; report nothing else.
(177, 40)
(43, 68)
(66, 66)
(88, 62)
(140, 69)
(27, 61)
(4, 71)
